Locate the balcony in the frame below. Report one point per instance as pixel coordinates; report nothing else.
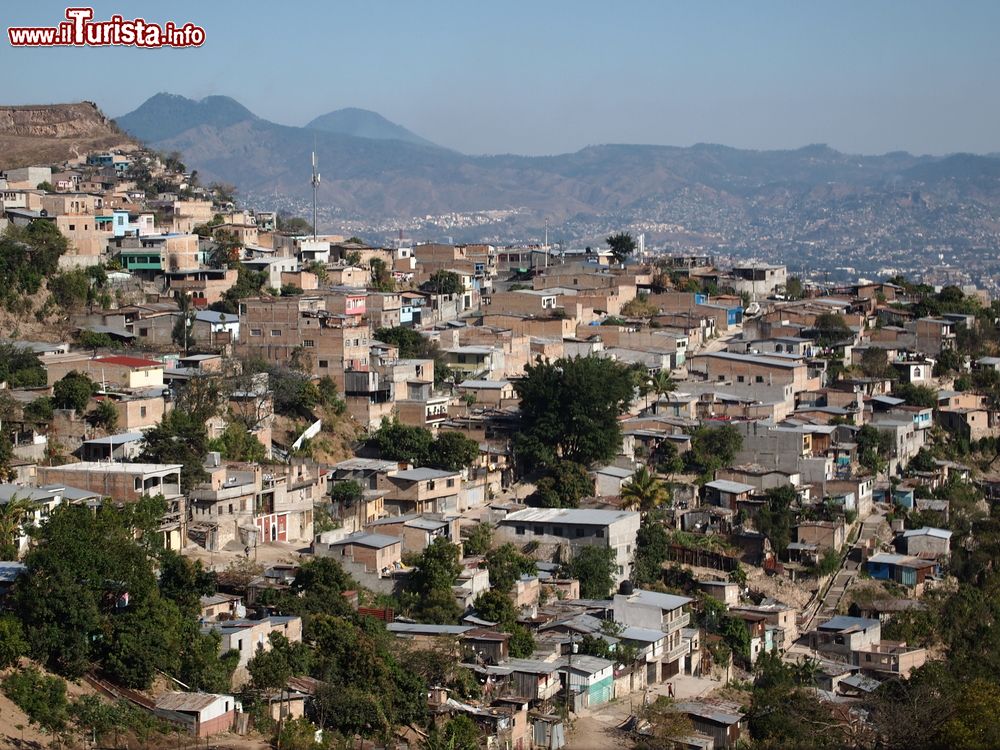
(678, 652)
(669, 626)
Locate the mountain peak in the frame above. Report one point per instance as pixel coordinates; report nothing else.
(164, 115)
(363, 123)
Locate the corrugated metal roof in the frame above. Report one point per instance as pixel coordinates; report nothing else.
(577, 516)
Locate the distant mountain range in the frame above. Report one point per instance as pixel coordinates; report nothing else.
(375, 170)
(364, 123)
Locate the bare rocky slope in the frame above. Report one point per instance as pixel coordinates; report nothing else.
(54, 133)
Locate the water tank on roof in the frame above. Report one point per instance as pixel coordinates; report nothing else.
(626, 588)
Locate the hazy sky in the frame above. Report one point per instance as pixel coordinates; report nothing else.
(549, 76)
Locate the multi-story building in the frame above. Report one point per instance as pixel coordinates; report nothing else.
(301, 329)
(576, 527)
(655, 611)
(248, 504)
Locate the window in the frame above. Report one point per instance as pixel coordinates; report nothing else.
(255, 332)
(308, 343)
(557, 531)
(579, 533)
(275, 331)
(142, 411)
(230, 508)
(758, 379)
(628, 548)
(143, 331)
(519, 530)
(72, 227)
(600, 533)
(740, 379)
(324, 363)
(451, 482)
(138, 484)
(539, 530)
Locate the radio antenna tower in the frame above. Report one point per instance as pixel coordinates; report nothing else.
(315, 184)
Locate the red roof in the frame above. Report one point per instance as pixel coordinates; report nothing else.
(130, 361)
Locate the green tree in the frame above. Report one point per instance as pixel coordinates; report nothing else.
(453, 451)
(621, 246)
(644, 492)
(565, 484)
(105, 415)
(506, 565)
(458, 733)
(479, 539)
(794, 288)
(916, 395)
(874, 447)
(73, 392)
(41, 697)
(237, 444)
(522, 643)
(399, 442)
(875, 363)
(496, 606)
(347, 492)
(179, 438)
(830, 329)
(39, 411)
(443, 282)
(381, 276)
(184, 582)
(13, 644)
(13, 515)
(269, 670)
(71, 289)
(436, 570)
(711, 449)
(595, 568)
(19, 366)
(570, 410)
(225, 252)
(776, 518)
(651, 550)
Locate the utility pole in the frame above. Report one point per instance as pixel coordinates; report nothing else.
(315, 185)
(569, 673)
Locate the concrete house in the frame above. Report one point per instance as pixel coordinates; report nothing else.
(591, 676)
(421, 490)
(824, 534)
(727, 494)
(927, 542)
(575, 527)
(655, 611)
(842, 635)
(204, 713)
(246, 636)
(378, 553)
(723, 723)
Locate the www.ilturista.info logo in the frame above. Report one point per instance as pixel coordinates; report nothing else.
(79, 30)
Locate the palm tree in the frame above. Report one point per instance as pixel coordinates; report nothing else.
(12, 515)
(663, 383)
(644, 492)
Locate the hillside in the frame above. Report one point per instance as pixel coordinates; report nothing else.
(54, 133)
(364, 123)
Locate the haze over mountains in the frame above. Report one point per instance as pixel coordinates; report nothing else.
(374, 169)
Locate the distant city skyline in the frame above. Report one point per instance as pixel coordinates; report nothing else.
(553, 77)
